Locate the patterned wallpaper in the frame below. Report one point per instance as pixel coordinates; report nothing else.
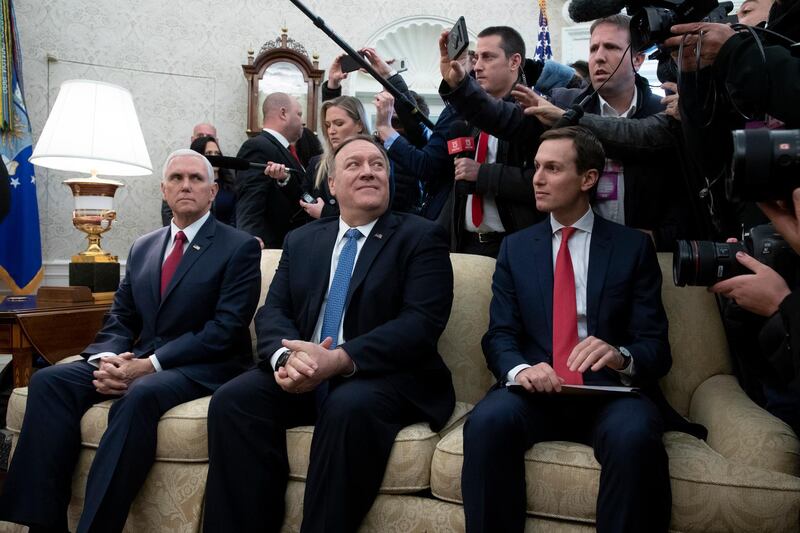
(181, 60)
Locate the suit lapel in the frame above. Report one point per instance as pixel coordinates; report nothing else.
(320, 264)
(201, 242)
(154, 262)
(599, 258)
(288, 159)
(543, 269)
(381, 233)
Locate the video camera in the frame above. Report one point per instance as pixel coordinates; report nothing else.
(705, 263)
(650, 24)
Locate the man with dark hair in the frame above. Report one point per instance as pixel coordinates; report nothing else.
(492, 196)
(576, 300)
(633, 189)
(347, 341)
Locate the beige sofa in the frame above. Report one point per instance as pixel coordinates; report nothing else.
(742, 479)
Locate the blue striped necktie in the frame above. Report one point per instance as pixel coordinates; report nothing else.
(337, 295)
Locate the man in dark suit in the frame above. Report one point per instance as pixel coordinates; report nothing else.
(268, 206)
(576, 300)
(177, 330)
(355, 356)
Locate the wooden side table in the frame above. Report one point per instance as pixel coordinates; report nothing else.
(54, 330)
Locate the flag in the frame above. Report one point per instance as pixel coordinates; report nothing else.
(20, 240)
(543, 50)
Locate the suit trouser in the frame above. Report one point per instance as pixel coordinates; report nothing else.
(248, 464)
(37, 490)
(625, 433)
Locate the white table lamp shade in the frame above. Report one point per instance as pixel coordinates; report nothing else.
(93, 128)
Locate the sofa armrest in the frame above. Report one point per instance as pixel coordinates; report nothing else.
(742, 431)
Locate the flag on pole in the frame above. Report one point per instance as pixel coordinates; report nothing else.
(20, 240)
(543, 50)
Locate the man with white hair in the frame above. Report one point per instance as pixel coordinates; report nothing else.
(176, 332)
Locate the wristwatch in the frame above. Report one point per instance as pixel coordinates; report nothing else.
(626, 356)
(282, 359)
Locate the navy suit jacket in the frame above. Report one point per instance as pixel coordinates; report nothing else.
(263, 208)
(397, 305)
(200, 326)
(623, 302)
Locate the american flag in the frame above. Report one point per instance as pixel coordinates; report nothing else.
(543, 50)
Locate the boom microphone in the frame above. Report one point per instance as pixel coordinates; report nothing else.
(589, 10)
(237, 163)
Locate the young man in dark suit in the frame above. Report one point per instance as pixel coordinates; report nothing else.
(576, 300)
(347, 340)
(267, 206)
(177, 330)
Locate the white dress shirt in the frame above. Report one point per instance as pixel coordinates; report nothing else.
(579, 245)
(190, 232)
(614, 209)
(365, 230)
(285, 143)
(491, 216)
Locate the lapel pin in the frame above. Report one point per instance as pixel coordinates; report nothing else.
(379, 235)
(196, 247)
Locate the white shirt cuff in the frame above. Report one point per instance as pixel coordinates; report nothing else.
(390, 141)
(94, 360)
(284, 181)
(274, 359)
(512, 374)
(156, 364)
(627, 373)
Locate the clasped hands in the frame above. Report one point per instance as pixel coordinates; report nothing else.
(310, 364)
(117, 372)
(591, 352)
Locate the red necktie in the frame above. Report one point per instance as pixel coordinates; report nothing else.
(173, 260)
(565, 312)
(293, 150)
(477, 199)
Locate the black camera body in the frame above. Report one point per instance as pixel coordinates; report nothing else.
(704, 263)
(766, 165)
(651, 21)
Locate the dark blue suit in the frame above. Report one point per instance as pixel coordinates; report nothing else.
(624, 309)
(199, 333)
(398, 304)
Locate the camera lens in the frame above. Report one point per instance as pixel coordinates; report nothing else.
(704, 263)
(651, 25)
(766, 164)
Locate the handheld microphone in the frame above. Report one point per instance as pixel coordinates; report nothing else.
(589, 10)
(461, 144)
(237, 163)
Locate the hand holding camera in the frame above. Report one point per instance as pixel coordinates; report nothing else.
(760, 292)
(705, 37)
(786, 218)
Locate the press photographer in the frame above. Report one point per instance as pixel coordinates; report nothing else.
(760, 276)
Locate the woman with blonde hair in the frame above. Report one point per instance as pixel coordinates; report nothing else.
(340, 118)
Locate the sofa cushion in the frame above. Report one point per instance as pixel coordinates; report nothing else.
(709, 493)
(182, 434)
(409, 468)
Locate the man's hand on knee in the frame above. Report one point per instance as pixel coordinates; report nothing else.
(539, 378)
(118, 372)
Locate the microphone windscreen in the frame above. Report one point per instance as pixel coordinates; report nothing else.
(459, 128)
(589, 10)
(233, 163)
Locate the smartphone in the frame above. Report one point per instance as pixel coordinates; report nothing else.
(458, 39)
(349, 64)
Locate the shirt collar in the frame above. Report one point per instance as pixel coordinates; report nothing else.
(607, 111)
(365, 229)
(279, 136)
(191, 230)
(585, 223)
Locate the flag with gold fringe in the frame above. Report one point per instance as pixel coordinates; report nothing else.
(20, 240)
(543, 50)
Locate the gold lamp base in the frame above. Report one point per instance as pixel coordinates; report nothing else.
(93, 215)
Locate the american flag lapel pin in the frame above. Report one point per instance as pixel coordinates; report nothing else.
(379, 235)
(196, 247)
